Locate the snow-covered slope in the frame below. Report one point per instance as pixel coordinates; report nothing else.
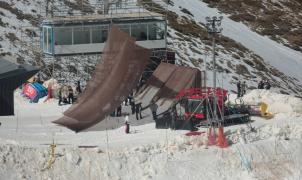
(149, 153)
(283, 58)
(241, 53)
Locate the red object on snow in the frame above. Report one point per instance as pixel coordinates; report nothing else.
(211, 137)
(49, 93)
(196, 96)
(201, 93)
(196, 115)
(127, 128)
(49, 90)
(29, 91)
(194, 133)
(222, 142)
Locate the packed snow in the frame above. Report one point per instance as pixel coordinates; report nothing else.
(272, 151)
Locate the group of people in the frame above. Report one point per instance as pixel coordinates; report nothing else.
(135, 108)
(241, 88)
(66, 94)
(264, 85)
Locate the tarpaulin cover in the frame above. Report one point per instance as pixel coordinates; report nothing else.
(169, 79)
(181, 78)
(114, 77)
(34, 91)
(29, 91)
(11, 77)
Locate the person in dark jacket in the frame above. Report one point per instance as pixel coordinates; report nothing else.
(261, 85)
(126, 101)
(243, 88)
(119, 111)
(78, 88)
(153, 106)
(267, 85)
(138, 111)
(238, 89)
(60, 97)
(70, 95)
(132, 104)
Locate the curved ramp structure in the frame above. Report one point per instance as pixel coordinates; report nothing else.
(166, 81)
(115, 76)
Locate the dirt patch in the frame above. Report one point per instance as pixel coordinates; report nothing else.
(3, 24)
(184, 10)
(80, 5)
(242, 70)
(19, 14)
(12, 37)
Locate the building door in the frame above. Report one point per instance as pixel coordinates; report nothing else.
(47, 40)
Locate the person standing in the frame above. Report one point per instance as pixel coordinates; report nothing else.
(261, 85)
(153, 106)
(132, 104)
(126, 101)
(70, 95)
(127, 126)
(60, 96)
(138, 111)
(238, 89)
(267, 85)
(119, 111)
(78, 88)
(243, 89)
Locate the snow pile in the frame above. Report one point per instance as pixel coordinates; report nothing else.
(277, 103)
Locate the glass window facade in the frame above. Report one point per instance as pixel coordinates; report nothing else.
(63, 36)
(104, 33)
(96, 32)
(70, 35)
(44, 39)
(139, 31)
(156, 31)
(125, 27)
(81, 35)
(47, 40)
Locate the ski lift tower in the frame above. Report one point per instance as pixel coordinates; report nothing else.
(213, 26)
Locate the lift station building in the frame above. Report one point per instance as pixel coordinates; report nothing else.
(87, 34)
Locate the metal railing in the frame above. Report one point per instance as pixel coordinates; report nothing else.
(69, 9)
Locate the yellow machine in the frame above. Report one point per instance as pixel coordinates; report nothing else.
(264, 112)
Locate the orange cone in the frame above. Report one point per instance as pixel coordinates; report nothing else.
(211, 137)
(221, 140)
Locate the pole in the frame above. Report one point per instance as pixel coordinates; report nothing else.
(214, 81)
(213, 25)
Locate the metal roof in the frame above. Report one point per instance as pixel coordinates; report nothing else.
(8, 68)
(103, 17)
